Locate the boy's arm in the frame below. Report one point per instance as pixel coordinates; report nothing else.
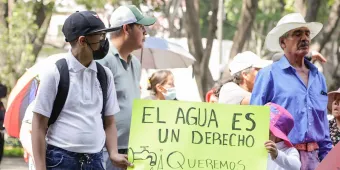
(48, 87)
(112, 108)
(117, 159)
(39, 129)
(289, 161)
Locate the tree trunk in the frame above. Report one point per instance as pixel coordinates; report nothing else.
(312, 10)
(44, 15)
(245, 24)
(207, 78)
(3, 14)
(328, 29)
(200, 68)
(283, 4)
(300, 6)
(249, 8)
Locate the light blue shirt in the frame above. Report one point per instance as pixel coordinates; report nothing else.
(281, 84)
(126, 76)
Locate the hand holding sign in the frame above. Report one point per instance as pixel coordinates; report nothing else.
(120, 160)
(271, 148)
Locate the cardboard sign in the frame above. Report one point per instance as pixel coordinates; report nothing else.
(331, 161)
(169, 135)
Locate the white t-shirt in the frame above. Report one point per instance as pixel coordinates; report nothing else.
(288, 158)
(231, 93)
(79, 127)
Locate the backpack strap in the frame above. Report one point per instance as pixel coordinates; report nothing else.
(63, 88)
(102, 78)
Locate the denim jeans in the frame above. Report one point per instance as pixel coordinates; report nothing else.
(60, 159)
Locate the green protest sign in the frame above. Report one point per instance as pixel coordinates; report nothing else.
(169, 135)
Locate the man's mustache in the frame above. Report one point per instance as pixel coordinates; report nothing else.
(304, 44)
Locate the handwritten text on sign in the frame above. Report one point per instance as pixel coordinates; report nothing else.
(186, 135)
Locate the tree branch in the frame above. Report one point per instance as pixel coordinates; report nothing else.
(248, 14)
(44, 16)
(312, 10)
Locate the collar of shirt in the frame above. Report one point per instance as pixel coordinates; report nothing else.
(284, 64)
(76, 66)
(115, 52)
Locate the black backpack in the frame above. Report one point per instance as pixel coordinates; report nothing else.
(64, 85)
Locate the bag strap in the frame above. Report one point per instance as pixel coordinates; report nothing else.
(63, 88)
(102, 78)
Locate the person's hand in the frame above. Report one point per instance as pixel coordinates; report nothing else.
(120, 160)
(271, 148)
(316, 56)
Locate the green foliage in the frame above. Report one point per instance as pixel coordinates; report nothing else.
(12, 142)
(324, 9)
(13, 152)
(13, 148)
(92, 4)
(15, 46)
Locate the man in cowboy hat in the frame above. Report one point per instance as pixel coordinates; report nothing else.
(297, 85)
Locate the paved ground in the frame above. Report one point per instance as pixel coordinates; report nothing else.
(13, 164)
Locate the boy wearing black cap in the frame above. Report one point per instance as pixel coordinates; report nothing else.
(75, 138)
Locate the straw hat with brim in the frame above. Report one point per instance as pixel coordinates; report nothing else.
(287, 23)
(331, 98)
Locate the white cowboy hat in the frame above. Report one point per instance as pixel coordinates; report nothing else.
(246, 60)
(287, 23)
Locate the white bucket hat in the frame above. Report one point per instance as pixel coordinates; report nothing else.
(287, 23)
(246, 60)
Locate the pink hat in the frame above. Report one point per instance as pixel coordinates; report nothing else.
(281, 122)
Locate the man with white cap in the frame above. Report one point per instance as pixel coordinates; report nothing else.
(125, 67)
(297, 85)
(243, 68)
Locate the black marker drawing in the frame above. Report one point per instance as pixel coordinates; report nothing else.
(143, 155)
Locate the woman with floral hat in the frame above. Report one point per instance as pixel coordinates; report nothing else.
(334, 108)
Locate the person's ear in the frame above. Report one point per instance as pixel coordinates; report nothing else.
(82, 41)
(126, 29)
(244, 75)
(282, 43)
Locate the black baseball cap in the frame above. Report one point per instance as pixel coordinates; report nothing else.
(83, 23)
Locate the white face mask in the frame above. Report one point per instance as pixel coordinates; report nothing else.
(170, 94)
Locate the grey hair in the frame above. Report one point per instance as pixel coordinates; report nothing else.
(238, 79)
(285, 35)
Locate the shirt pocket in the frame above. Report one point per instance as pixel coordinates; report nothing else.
(322, 101)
